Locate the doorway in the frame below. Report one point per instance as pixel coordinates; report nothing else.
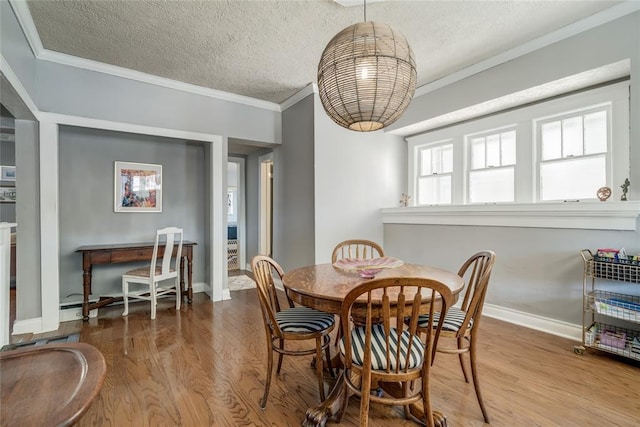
(8, 210)
(236, 223)
(265, 243)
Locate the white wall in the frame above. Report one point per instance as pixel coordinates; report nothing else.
(355, 173)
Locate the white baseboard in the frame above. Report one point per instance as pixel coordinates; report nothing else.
(27, 326)
(198, 287)
(532, 321)
(75, 313)
(528, 320)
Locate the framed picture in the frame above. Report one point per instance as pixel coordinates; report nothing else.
(137, 187)
(7, 173)
(7, 194)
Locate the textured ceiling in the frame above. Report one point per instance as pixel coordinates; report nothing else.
(270, 50)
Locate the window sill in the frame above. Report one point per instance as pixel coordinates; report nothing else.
(581, 215)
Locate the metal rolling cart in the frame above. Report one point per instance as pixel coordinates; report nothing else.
(610, 320)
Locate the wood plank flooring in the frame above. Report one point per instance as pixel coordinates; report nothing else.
(205, 366)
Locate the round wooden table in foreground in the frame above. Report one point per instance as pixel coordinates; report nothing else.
(52, 384)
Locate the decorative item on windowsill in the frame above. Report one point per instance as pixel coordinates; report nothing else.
(603, 193)
(366, 76)
(625, 188)
(404, 200)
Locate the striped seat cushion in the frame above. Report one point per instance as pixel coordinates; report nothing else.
(452, 321)
(378, 352)
(303, 319)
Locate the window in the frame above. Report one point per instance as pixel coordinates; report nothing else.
(573, 154)
(492, 160)
(434, 181)
(562, 149)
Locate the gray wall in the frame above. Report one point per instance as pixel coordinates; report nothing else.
(16, 50)
(28, 293)
(87, 214)
(538, 271)
(294, 205)
(609, 43)
(68, 90)
(74, 91)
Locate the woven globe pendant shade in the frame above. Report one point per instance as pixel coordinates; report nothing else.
(366, 76)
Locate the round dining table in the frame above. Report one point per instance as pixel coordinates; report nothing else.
(324, 286)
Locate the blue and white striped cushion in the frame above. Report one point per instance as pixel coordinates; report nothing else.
(378, 351)
(303, 319)
(452, 321)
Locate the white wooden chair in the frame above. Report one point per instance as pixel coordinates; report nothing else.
(157, 272)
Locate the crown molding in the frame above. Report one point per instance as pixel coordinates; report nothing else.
(25, 20)
(11, 77)
(571, 30)
(23, 15)
(299, 96)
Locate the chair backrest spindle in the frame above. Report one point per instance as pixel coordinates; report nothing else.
(356, 248)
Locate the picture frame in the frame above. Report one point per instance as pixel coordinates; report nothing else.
(8, 194)
(137, 187)
(7, 173)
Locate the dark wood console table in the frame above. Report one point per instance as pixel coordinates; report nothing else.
(127, 252)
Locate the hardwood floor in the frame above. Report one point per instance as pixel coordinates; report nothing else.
(205, 366)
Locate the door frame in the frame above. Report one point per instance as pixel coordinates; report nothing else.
(265, 203)
(241, 203)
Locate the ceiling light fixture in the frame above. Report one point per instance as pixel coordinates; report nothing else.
(366, 76)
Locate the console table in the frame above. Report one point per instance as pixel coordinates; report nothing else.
(127, 252)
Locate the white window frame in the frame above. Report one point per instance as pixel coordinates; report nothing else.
(527, 211)
(418, 156)
(609, 164)
(468, 139)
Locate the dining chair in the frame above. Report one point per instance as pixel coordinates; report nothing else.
(354, 248)
(161, 277)
(289, 324)
(386, 350)
(462, 323)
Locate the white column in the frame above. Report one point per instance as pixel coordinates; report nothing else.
(5, 262)
(218, 225)
(49, 226)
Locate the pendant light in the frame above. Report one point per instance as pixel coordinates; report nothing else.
(366, 76)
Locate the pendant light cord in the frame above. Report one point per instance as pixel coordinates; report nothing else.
(365, 10)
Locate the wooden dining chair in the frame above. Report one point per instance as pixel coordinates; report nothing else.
(462, 323)
(289, 324)
(161, 277)
(354, 248)
(390, 351)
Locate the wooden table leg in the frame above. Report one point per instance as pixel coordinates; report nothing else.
(86, 291)
(417, 410)
(183, 291)
(190, 286)
(330, 408)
